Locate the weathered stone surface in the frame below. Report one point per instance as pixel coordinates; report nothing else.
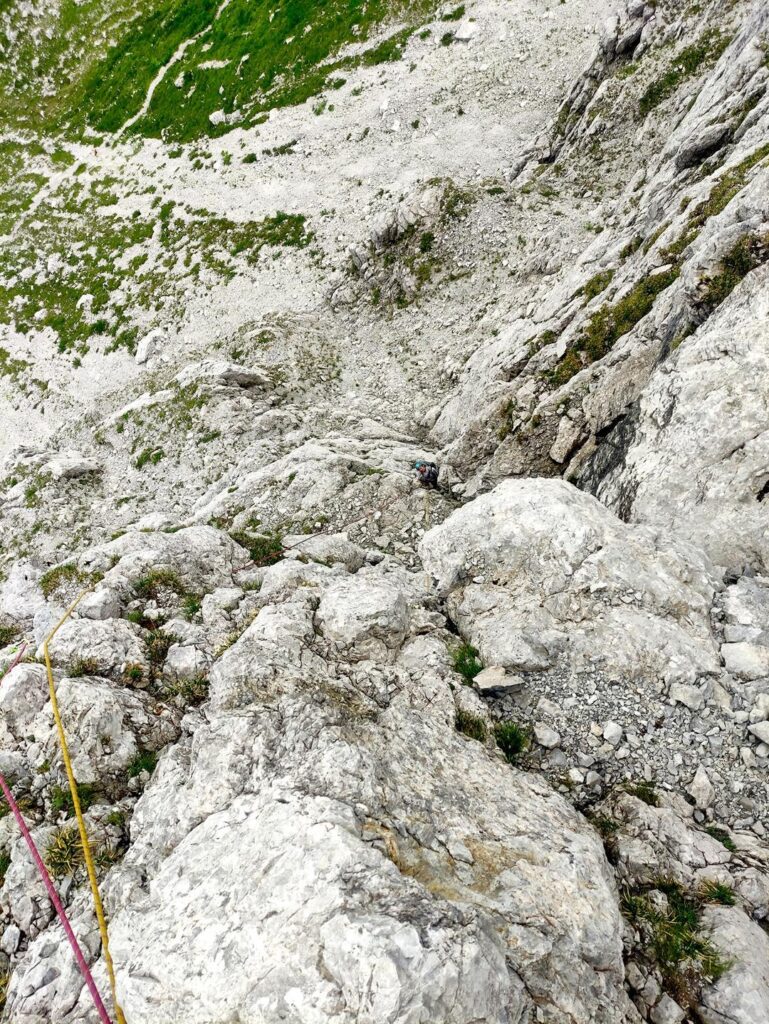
(566, 582)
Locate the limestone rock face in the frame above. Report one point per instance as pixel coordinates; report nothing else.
(538, 573)
(330, 839)
(355, 931)
(697, 464)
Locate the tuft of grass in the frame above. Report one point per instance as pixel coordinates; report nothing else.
(145, 761)
(151, 586)
(512, 739)
(471, 725)
(192, 691)
(685, 959)
(606, 827)
(722, 836)
(705, 51)
(65, 853)
(8, 634)
(157, 645)
(466, 662)
(149, 455)
(646, 791)
(717, 892)
(61, 798)
(5, 863)
(263, 549)
(83, 667)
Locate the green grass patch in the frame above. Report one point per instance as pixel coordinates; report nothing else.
(646, 791)
(466, 662)
(61, 798)
(744, 256)
(65, 577)
(470, 725)
(722, 836)
(688, 63)
(105, 280)
(512, 739)
(609, 324)
(597, 284)
(145, 761)
(8, 633)
(191, 691)
(83, 667)
(263, 549)
(255, 56)
(151, 586)
(670, 929)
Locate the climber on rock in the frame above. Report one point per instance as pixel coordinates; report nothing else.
(427, 473)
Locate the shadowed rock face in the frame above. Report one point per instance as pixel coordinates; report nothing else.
(351, 751)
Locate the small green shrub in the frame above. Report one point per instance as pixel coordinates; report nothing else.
(145, 761)
(512, 739)
(133, 674)
(471, 725)
(116, 818)
(456, 15)
(466, 662)
(5, 863)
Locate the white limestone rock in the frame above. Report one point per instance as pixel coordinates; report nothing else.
(569, 584)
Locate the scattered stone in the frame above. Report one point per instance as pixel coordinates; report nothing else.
(545, 736)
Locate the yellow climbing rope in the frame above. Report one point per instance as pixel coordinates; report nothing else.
(78, 812)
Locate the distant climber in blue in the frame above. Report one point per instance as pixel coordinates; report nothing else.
(427, 474)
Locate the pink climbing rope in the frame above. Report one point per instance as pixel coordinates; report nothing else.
(85, 970)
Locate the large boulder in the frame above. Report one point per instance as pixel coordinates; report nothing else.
(540, 574)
